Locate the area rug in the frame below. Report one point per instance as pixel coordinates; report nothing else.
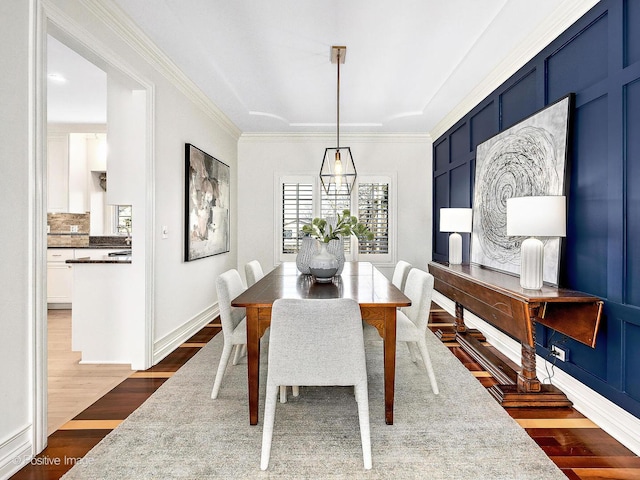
(181, 433)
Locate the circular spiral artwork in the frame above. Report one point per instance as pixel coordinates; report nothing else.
(521, 165)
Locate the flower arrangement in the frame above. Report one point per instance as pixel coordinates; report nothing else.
(346, 225)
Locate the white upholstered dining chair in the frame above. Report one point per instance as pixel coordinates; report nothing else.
(234, 328)
(253, 272)
(412, 321)
(399, 278)
(305, 351)
(234, 323)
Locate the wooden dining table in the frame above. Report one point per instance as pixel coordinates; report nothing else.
(377, 296)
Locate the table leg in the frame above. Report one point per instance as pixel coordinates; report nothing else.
(253, 362)
(389, 362)
(460, 326)
(527, 377)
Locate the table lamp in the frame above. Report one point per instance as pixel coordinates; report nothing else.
(455, 220)
(540, 216)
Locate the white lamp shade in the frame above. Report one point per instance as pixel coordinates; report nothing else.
(537, 216)
(455, 220)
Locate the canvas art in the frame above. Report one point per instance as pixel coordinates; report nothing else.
(527, 159)
(207, 204)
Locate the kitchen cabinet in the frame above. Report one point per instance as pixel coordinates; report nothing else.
(60, 274)
(59, 277)
(57, 172)
(73, 160)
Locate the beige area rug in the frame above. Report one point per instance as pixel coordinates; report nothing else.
(181, 433)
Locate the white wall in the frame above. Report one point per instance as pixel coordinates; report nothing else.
(262, 157)
(182, 291)
(17, 159)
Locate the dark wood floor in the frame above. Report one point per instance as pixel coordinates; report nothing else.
(573, 442)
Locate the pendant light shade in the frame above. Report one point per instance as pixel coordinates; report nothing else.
(338, 171)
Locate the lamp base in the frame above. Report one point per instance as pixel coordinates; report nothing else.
(531, 263)
(455, 249)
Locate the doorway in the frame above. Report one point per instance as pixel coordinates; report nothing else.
(76, 158)
(92, 381)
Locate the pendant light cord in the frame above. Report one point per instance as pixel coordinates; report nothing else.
(338, 104)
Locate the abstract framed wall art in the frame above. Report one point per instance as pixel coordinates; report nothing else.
(527, 159)
(207, 196)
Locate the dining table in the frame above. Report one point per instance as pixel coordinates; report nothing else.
(361, 281)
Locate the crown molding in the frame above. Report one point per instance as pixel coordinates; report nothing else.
(567, 13)
(122, 25)
(278, 137)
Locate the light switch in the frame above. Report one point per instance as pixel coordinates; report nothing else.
(165, 231)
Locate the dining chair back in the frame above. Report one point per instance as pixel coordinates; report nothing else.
(412, 321)
(306, 351)
(234, 323)
(253, 272)
(400, 273)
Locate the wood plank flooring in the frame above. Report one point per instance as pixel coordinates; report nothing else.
(73, 387)
(581, 449)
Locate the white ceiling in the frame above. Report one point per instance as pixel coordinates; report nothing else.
(77, 93)
(409, 62)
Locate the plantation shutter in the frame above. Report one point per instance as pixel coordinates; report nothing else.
(373, 211)
(333, 203)
(297, 210)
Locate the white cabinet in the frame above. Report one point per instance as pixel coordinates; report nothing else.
(97, 152)
(72, 160)
(57, 173)
(78, 173)
(59, 277)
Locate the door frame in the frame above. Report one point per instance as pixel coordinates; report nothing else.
(49, 19)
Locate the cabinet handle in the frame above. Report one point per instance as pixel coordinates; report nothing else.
(56, 255)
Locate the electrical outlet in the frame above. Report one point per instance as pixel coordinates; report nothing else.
(74, 228)
(560, 353)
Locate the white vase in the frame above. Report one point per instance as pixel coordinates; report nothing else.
(323, 265)
(307, 250)
(336, 247)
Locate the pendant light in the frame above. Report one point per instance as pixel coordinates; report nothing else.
(338, 172)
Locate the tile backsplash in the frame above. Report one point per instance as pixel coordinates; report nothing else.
(64, 222)
(68, 229)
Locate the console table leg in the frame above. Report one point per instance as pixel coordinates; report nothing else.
(527, 377)
(460, 326)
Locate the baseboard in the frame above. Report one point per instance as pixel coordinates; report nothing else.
(614, 420)
(59, 306)
(167, 344)
(16, 452)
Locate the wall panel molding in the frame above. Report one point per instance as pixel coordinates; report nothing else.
(565, 16)
(600, 256)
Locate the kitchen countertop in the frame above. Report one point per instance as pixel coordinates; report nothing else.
(110, 242)
(118, 259)
(95, 247)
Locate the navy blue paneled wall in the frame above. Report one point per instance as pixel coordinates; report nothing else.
(598, 59)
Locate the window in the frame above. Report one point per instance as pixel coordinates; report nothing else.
(333, 203)
(297, 210)
(123, 219)
(303, 198)
(373, 211)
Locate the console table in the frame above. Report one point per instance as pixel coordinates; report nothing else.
(497, 298)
